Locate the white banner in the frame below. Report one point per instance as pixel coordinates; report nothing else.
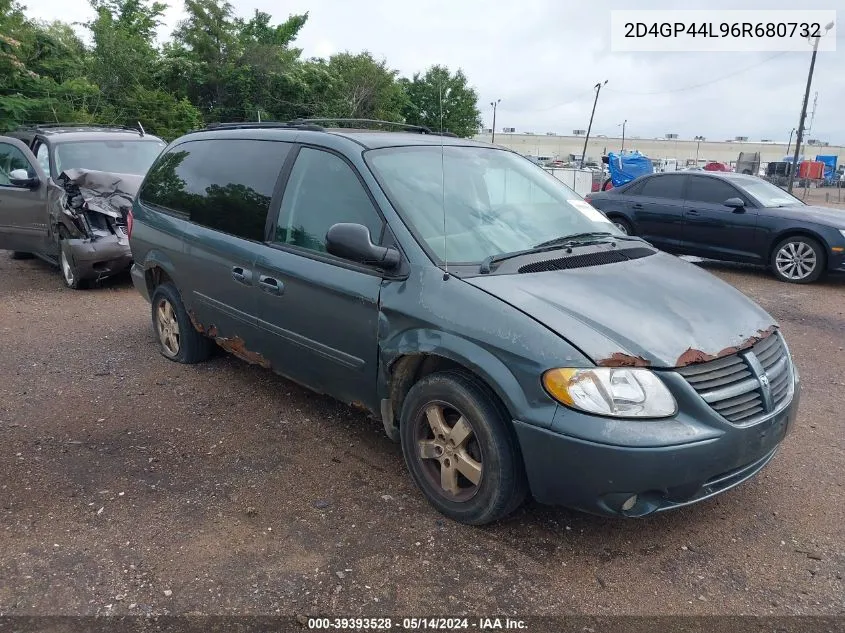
(722, 30)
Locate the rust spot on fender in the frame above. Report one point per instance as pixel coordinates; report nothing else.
(210, 332)
(618, 359)
(197, 325)
(237, 347)
(692, 356)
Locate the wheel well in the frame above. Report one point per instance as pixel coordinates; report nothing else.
(407, 370)
(797, 233)
(617, 215)
(154, 277)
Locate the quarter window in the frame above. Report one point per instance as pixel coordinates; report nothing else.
(224, 185)
(322, 191)
(663, 187)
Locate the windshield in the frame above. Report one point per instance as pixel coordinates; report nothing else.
(494, 201)
(769, 195)
(120, 157)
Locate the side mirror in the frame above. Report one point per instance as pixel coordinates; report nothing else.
(352, 242)
(734, 203)
(21, 178)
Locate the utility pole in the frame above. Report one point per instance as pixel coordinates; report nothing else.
(623, 136)
(589, 127)
(788, 145)
(697, 146)
(494, 104)
(800, 137)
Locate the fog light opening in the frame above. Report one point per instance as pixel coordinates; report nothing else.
(630, 502)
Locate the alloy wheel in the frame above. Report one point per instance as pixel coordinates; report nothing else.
(168, 328)
(796, 260)
(67, 270)
(449, 452)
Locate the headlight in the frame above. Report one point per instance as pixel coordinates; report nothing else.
(616, 392)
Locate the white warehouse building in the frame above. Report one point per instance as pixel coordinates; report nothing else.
(550, 146)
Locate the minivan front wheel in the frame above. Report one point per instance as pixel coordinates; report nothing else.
(798, 260)
(459, 450)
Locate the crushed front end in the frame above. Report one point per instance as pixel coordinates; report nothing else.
(90, 215)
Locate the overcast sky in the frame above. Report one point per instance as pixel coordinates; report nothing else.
(542, 57)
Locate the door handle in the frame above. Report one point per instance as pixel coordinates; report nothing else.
(270, 285)
(241, 275)
(637, 206)
(693, 212)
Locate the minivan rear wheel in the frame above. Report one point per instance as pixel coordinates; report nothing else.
(177, 339)
(459, 449)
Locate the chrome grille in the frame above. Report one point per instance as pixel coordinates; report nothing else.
(745, 387)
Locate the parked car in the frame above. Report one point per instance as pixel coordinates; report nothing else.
(507, 335)
(731, 217)
(65, 192)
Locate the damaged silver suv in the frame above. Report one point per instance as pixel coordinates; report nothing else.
(65, 191)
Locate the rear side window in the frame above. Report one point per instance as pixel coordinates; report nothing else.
(710, 190)
(663, 187)
(224, 185)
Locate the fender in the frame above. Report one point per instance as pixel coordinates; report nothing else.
(464, 352)
(156, 258)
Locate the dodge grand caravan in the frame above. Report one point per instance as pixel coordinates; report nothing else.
(502, 329)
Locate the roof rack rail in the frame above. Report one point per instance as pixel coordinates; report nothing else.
(421, 129)
(47, 126)
(406, 126)
(246, 125)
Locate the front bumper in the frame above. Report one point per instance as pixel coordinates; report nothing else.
(600, 478)
(96, 259)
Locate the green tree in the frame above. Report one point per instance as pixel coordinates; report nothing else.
(359, 87)
(233, 68)
(441, 100)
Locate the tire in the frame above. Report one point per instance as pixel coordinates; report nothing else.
(798, 260)
(69, 273)
(487, 449)
(177, 339)
(21, 255)
(622, 224)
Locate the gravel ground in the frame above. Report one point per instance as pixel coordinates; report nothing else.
(133, 485)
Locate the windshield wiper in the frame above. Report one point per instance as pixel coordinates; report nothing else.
(548, 245)
(582, 239)
(575, 237)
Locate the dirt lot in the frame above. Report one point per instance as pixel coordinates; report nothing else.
(823, 196)
(130, 484)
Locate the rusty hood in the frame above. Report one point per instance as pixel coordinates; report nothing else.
(656, 311)
(100, 191)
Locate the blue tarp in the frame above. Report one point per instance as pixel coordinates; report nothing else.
(627, 166)
(829, 166)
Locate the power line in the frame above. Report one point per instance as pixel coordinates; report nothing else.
(578, 97)
(701, 85)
